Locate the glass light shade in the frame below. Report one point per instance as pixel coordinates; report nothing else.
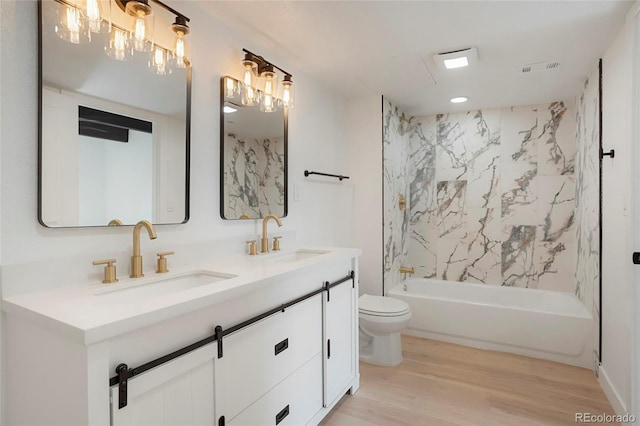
(230, 87)
(268, 102)
(93, 16)
(141, 29)
(249, 92)
(118, 47)
(287, 92)
(180, 29)
(71, 27)
(270, 83)
(180, 51)
(159, 62)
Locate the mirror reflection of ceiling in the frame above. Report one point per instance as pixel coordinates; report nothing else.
(367, 47)
(100, 74)
(262, 125)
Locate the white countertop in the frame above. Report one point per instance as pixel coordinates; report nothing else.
(76, 311)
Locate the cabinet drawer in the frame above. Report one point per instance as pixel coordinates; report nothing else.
(260, 356)
(293, 402)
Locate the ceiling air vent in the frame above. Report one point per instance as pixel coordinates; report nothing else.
(540, 66)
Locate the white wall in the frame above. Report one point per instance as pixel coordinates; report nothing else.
(364, 133)
(618, 221)
(317, 137)
(3, 60)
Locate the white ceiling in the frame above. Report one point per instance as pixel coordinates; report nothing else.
(367, 47)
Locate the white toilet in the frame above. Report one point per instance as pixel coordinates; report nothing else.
(381, 321)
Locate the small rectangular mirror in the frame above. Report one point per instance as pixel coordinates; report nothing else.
(114, 135)
(253, 157)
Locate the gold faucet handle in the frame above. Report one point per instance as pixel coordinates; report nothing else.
(276, 243)
(109, 270)
(162, 262)
(253, 247)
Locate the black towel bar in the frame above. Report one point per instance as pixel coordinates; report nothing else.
(307, 173)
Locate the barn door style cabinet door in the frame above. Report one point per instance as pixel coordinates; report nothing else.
(177, 393)
(339, 345)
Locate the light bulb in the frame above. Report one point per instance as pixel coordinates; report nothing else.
(159, 61)
(139, 34)
(93, 12)
(180, 51)
(287, 92)
(230, 88)
(268, 103)
(70, 28)
(118, 44)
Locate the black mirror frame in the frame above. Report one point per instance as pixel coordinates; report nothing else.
(187, 142)
(286, 158)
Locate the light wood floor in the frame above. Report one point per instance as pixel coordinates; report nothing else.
(445, 384)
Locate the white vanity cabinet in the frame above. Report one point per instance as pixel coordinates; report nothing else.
(276, 352)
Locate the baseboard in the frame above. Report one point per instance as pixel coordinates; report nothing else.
(610, 391)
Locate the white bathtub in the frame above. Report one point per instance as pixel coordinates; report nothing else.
(536, 323)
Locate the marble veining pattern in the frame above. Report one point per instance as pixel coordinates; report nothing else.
(587, 169)
(493, 196)
(254, 177)
(395, 184)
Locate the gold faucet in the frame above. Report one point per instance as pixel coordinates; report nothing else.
(407, 270)
(265, 241)
(136, 259)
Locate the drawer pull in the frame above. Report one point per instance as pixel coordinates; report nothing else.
(282, 414)
(281, 346)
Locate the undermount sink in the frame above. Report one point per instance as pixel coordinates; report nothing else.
(140, 289)
(296, 255)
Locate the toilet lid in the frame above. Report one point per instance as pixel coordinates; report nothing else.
(381, 306)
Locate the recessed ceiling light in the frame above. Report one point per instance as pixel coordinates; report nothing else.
(459, 100)
(457, 58)
(228, 109)
(456, 62)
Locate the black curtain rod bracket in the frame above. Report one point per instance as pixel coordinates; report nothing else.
(307, 173)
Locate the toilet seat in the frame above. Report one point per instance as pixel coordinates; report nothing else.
(379, 306)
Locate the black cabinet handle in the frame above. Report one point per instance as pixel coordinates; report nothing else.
(281, 346)
(328, 348)
(636, 258)
(282, 414)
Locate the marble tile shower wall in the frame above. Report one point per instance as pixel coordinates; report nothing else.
(254, 176)
(492, 196)
(587, 194)
(395, 183)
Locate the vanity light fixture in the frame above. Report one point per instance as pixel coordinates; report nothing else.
(458, 100)
(270, 96)
(79, 18)
(457, 58)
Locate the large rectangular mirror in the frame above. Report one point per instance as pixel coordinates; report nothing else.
(114, 134)
(253, 158)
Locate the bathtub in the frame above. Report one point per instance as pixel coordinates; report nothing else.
(537, 323)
